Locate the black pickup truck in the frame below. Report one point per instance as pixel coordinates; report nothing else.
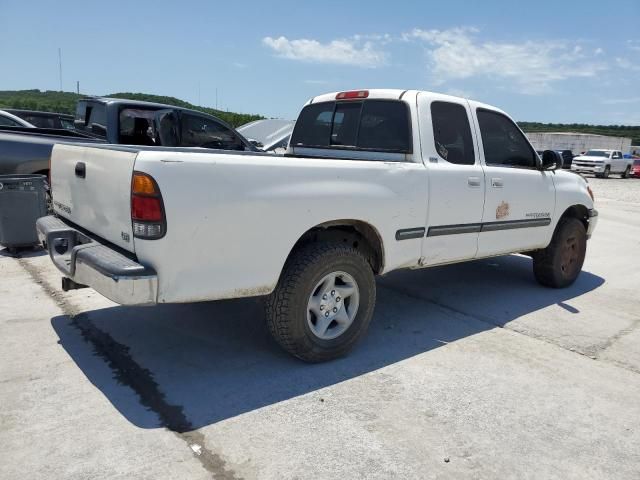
(117, 121)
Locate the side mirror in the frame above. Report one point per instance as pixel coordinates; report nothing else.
(551, 160)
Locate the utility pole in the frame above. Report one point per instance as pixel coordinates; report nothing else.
(60, 66)
(78, 87)
(216, 98)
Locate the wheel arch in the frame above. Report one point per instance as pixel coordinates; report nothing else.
(577, 211)
(359, 234)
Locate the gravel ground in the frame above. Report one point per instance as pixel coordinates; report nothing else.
(615, 188)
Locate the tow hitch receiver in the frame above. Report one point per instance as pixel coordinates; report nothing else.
(68, 284)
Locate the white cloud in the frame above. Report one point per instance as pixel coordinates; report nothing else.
(240, 65)
(356, 51)
(533, 66)
(634, 45)
(598, 51)
(627, 64)
(621, 101)
(458, 92)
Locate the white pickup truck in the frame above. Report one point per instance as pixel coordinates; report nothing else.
(373, 181)
(602, 162)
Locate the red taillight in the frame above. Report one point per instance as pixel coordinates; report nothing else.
(147, 209)
(352, 95)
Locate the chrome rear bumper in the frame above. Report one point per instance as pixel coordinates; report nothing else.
(86, 261)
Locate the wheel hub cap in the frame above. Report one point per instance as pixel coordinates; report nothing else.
(333, 305)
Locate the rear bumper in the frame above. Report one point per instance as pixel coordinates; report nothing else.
(89, 262)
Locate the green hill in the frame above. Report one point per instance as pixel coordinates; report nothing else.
(65, 102)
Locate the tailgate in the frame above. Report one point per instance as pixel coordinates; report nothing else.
(91, 187)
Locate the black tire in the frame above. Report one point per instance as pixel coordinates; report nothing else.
(559, 264)
(607, 171)
(626, 173)
(287, 306)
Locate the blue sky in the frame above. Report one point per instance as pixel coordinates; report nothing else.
(560, 61)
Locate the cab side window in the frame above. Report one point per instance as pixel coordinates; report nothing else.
(452, 133)
(503, 142)
(200, 131)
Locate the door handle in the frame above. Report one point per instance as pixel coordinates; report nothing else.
(81, 170)
(497, 183)
(473, 181)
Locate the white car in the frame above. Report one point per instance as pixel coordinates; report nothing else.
(373, 181)
(270, 135)
(10, 120)
(602, 163)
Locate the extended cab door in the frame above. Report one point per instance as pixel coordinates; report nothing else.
(618, 163)
(519, 197)
(455, 177)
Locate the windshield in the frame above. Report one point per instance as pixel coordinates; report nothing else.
(597, 153)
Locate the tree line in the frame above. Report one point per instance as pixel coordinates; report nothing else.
(65, 102)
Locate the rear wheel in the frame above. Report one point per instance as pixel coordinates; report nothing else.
(561, 262)
(627, 172)
(323, 302)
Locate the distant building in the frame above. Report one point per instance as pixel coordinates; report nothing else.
(577, 142)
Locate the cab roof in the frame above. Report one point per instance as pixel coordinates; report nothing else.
(397, 94)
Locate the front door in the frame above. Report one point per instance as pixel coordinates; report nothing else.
(456, 180)
(519, 197)
(617, 162)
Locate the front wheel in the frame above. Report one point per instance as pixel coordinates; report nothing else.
(607, 171)
(323, 302)
(561, 262)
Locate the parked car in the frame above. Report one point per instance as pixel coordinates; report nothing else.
(364, 189)
(567, 158)
(117, 121)
(565, 155)
(602, 163)
(8, 119)
(45, 119)
(635, 169)
(269, 135)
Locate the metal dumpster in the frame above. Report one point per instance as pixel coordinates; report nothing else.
(23, 200)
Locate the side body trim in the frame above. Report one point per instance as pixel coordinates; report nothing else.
(408, 233)
(487, 227)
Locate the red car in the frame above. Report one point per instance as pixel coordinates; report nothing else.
(635, 169)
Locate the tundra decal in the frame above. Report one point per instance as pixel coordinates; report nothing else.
(538, 215)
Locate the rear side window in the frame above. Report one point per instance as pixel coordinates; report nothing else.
(41, 121)
(375, 125)
(452, 133)
(503, 142)
(91, 117)
(136, 126)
